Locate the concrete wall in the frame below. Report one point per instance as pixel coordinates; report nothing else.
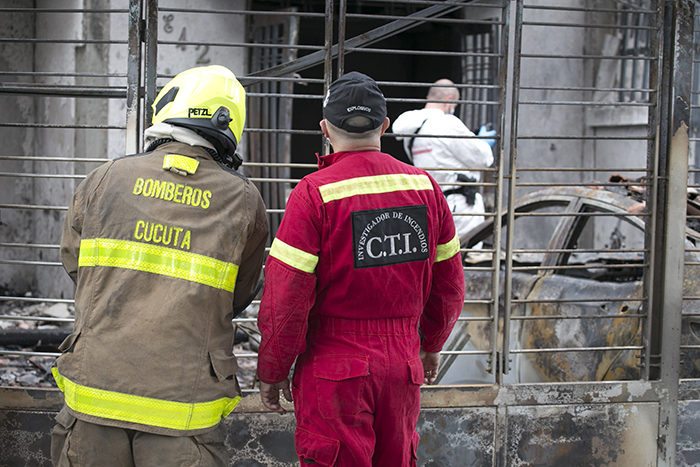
(117, 64)
(197, 27)
(54, 142)
(551, 120)
(573, 120)
(16, 141)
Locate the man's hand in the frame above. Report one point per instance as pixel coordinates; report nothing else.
(270, 395)
(431, 362)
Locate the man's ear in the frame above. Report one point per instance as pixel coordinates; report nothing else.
(324, 128)
(385, 125)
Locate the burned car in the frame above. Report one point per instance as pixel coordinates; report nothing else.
(577, 310)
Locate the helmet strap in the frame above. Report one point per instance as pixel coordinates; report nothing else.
(155, 143)
(233, 162)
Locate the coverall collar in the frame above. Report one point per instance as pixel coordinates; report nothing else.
(330, 159)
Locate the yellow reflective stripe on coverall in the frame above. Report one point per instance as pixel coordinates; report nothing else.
(294, 257)
(374, 185)
(447, 250)
(143, 410)
(158, 260)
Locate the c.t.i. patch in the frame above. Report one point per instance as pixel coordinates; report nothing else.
(390, 236)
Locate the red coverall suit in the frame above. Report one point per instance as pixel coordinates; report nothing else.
(366, 250)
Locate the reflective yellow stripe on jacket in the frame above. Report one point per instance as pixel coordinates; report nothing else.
(181, 164)
(143, 410)
(294, 257)
(158, 260)
(447, 250)
(374, 185)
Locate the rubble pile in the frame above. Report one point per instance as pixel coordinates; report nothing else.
(31, 335)
(34, 372)
(25, 331)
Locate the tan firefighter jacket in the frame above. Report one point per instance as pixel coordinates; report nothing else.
(162, 246)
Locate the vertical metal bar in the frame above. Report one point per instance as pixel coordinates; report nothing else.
(478, 113)
(341, 37)
(328, 45)
(468, 93)
(647, 65)
(328, 59)
(507, 107)
(482, 79)
(133, 78)
(491, 94)
(658, 209)
(268, 59)
(513, 143)
(151, 66)
(623, 62)
(290, 37)
(649, 370)
(652, 201)
(678, 52)
(696, 85)
(635, 63)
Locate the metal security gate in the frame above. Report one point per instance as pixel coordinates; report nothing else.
(579, 343)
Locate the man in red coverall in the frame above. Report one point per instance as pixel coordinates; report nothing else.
(366, 253)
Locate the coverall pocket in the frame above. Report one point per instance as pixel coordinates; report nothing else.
(415, 379)
(340, 381)
(315, 449)
(415, 366)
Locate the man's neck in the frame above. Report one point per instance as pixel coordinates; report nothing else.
(354, 148)
(436, 105)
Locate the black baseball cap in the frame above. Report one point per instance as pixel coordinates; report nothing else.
(352, 95)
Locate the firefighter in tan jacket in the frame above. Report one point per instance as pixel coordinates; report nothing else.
(165, 248)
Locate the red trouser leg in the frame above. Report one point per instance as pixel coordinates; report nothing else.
(357, 393)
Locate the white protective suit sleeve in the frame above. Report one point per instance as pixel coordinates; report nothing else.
(455, 153)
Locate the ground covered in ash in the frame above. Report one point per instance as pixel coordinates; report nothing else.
(30, 334)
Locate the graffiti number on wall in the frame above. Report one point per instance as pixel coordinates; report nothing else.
(182, 38)
(168, 27)
(203, 59)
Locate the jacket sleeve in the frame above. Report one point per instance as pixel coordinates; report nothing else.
(70, 239)
(73, 223)
(290, 288)
(471, 152)
(446, 297)
(407, 122)
(249, 271)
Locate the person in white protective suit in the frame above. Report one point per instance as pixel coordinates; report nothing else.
(445, 152)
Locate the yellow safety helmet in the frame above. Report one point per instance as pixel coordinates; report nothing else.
(208, 100)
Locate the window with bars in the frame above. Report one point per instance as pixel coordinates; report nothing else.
(635, 42)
